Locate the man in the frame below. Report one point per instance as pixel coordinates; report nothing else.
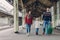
(28, 22)
(47, 19)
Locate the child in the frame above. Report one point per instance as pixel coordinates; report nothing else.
(37, 25)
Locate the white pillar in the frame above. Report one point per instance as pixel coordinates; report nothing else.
(52, 12)
(23, 15)
(58, 12)
(16, 28)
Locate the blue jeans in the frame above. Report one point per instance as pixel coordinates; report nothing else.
(28, 28)
(37, 29)
(45, 25)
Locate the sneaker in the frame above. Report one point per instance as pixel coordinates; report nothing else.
(36, 33)
(43, 33)
(28, 34)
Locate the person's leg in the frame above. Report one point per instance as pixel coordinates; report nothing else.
(44, 25)
(47, 24)
(46, 28)
(29, 29)
(27, 26)
(37, 29)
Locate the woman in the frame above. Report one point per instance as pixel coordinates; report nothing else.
(28, 22)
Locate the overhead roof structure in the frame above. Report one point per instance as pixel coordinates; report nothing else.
(38, 6)
(7, 8)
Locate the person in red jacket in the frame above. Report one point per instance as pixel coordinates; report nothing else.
(28, 21)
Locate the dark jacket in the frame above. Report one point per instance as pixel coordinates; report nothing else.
(47, 16)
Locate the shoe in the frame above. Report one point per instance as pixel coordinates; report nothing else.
(28, 34)
(43, 33)
(36, 33)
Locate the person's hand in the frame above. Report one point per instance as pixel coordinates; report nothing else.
(23, 27)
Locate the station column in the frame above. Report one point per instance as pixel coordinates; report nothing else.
(16, 28)
(52, 12)
(58, 12)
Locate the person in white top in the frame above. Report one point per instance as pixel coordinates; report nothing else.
(37, 25)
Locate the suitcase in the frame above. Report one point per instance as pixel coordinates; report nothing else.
(49, 29)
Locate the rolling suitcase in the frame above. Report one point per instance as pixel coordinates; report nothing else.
(49, 29)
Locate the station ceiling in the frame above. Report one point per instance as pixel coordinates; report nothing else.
(37, 6)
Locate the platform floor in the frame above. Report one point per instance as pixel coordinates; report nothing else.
(8, 34)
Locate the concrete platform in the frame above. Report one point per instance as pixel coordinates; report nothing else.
(9, 34)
